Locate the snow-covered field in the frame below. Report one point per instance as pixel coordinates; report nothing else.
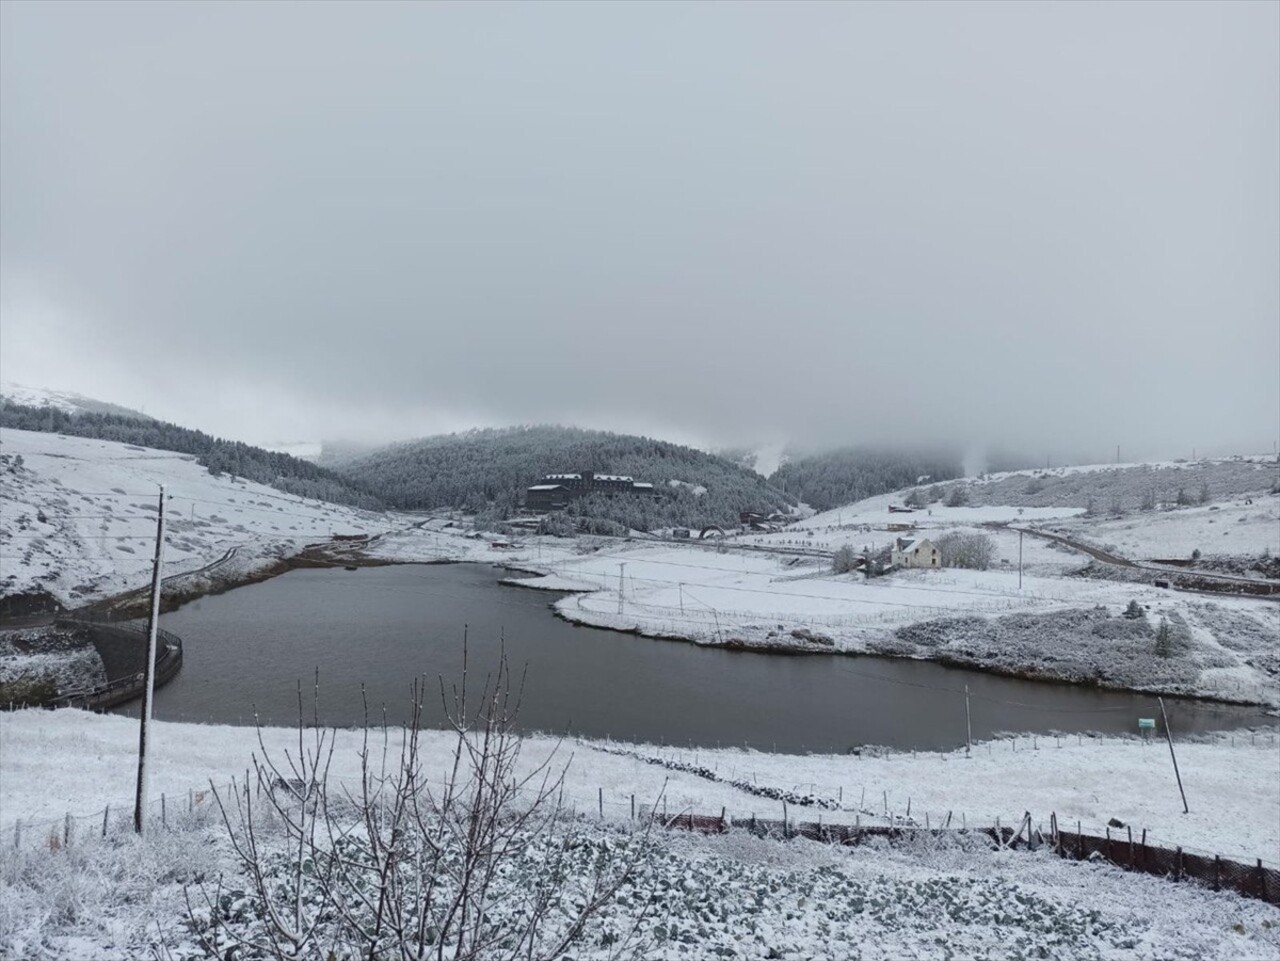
(758, 599)
(110, 900)
(1232, 528)
(68, 761)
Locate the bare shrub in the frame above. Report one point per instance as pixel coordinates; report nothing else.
(479, 861)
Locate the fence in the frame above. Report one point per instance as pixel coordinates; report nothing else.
(1249, 880)
(124, 653)
(1259, 881)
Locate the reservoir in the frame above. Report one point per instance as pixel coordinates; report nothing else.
(379, 628)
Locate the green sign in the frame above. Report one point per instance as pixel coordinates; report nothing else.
(1146, 724)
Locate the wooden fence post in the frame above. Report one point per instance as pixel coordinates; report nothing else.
(1178, 873)
(106, 812)
(600, 801)
(17, 833)
(66, 830)
(1130, 829)
(633, 807)
(1217, 872)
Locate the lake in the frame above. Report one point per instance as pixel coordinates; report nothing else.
(381, 627)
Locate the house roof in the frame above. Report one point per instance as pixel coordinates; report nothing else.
(564, 477)
(612, 477)
(547, 487)
(909, 545)
(642, 484)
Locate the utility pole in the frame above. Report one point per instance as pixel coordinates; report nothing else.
(149, 683)
(1019, 560)
(968, 723)
(1169, 738)
(621, 567)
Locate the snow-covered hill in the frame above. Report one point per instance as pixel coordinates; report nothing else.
(78, 516)
(67, 401)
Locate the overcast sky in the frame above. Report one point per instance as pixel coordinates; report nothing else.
(1048, 225)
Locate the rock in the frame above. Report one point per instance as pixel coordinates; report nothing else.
(1115, 823)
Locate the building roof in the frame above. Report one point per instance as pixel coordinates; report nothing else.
(564, 477)
(909, 545)
(613, 477)
(547, 487)
(642, 484)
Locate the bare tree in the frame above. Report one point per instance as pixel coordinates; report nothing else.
(480, 861)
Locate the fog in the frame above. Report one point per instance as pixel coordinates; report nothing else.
(1053, 227)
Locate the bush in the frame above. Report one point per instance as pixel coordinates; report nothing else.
(958, 496)
(28, 692)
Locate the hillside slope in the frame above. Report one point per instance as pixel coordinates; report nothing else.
(490, 469)
(281, 471)
(78, 517)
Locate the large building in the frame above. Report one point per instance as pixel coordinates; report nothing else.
(557, 490)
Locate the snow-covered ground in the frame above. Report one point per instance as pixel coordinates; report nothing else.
(1233, 528)
(77, 762)
(758, 599)
(913, 900)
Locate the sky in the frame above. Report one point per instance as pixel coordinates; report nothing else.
(1052, 227)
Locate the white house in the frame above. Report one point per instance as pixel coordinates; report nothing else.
(915, 552)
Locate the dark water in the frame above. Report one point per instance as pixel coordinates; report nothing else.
(383, 626)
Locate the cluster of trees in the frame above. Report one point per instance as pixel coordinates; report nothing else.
(487, 471)
(956, 495)
(971, 550)
(839, 477)
(281, 471)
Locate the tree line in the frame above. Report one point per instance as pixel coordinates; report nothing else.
(835, 478)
